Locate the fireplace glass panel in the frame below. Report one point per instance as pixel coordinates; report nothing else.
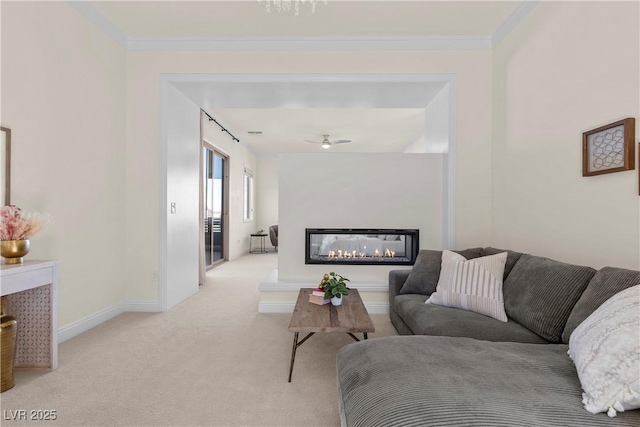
(361, 246)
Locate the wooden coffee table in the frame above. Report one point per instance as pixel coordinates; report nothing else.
(349, 318)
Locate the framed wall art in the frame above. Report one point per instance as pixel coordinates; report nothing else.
(609, 148)
(5, 165)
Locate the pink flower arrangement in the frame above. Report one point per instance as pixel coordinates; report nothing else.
(18, 225)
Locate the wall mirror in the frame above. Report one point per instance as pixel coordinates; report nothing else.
(5, 166)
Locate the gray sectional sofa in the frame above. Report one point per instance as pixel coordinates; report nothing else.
(452, 367)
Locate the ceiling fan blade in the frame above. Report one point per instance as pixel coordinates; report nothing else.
(314, 142)
(340, 141)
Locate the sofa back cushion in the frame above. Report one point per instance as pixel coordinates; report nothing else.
(425, 273)
(540, 293)
(605, 284)
(512, 258)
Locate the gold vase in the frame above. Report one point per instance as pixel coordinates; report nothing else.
(14, 250)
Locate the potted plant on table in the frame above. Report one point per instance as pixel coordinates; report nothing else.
(16, 227)
(335, 287)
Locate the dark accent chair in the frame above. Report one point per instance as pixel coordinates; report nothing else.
(273, 236)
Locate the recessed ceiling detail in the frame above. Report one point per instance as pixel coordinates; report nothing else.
(243, 26)
(336, 19)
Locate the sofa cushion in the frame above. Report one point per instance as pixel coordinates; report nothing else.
(606, 351)
(540, 293)
(442, 381)
(512, 258)
(606, 283)
(429, 319)
(474, 285)
(426, 271)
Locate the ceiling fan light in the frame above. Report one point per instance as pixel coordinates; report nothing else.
(326, 145)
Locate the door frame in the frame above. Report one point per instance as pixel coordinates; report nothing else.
(167, 81)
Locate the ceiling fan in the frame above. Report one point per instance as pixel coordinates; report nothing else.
(326, 143)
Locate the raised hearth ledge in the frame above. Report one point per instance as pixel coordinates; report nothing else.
(280, 297)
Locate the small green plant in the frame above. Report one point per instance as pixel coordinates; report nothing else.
(335, 285)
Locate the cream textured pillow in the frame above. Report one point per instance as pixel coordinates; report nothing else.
(605, 348)
(474, 285)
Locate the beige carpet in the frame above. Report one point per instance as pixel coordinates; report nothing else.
(211, 361)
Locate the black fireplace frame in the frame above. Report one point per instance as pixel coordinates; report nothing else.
(411, 247)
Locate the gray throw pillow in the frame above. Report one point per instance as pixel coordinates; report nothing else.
(605, 284)
(425, 273)
(512, 258)
(540, 294)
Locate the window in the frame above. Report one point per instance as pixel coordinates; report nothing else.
(248, 195)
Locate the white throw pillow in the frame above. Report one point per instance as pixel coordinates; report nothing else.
(474, 285)
(605, 348)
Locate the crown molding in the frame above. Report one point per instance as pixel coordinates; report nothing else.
(308, 43)
(512, 21)
(92, 15)
(174, 44)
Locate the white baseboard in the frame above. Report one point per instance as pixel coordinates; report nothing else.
(377, 307)
(270, 283)
(275, 307)
(93, 320)
(142, 306)
(287, 307)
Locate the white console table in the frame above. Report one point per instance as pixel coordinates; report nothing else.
(32, 298)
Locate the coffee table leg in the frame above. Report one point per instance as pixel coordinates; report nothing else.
(293, 354)
(366, 336)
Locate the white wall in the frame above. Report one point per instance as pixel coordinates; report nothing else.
(45, 80)
(239, 158)
(267, 193)
(181, 122)
(351, 190)
(63, 96)
(569, 67)
(86, 124)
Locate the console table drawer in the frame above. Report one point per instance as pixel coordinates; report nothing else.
(12, 283)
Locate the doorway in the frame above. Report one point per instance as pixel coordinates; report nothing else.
(215, 203)
(184, 92)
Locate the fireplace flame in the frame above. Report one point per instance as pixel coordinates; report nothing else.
(354, 254)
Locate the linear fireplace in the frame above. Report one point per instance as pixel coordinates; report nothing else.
(359, 246)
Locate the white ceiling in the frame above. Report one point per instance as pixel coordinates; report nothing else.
(377, 117)
(379, 130)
